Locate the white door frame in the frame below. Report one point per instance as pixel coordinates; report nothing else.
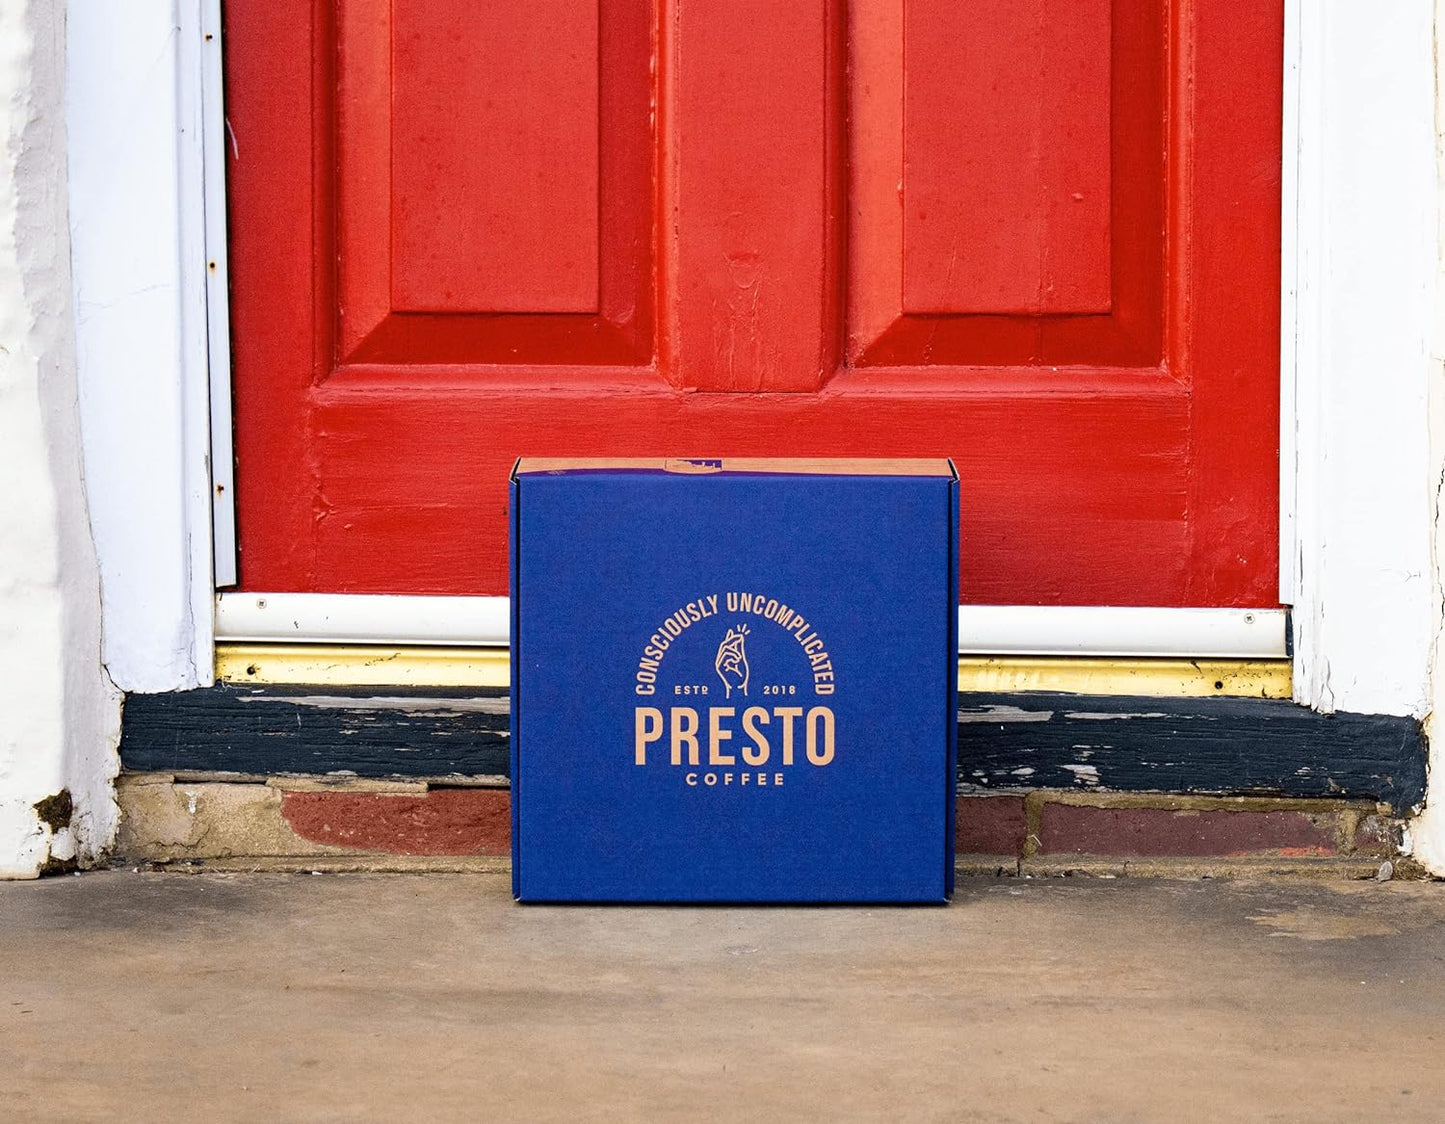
(134, 98)
(1359, 266)
(1358, 301)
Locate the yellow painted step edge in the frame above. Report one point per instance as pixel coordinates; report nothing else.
(1259, 679)
(380, 666)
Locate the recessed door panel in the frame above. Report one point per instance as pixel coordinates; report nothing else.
(518, 188)
(1009, 178)
(471, 226)
(1006, 137)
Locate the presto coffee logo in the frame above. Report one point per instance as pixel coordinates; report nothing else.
(764, 659)
(732, 660)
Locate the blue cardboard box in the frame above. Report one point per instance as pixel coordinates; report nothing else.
(734, 680)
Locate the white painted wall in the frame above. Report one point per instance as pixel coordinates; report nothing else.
(133, 102)
(1362, 271)
(1427, 832)
(61, 715)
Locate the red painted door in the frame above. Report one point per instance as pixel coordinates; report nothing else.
(1040, 237)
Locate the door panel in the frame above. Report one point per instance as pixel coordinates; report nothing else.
(1006, 156)
(519, 193)
(472, 228)
(1008, 183)
(751, 194)
(1039, 238)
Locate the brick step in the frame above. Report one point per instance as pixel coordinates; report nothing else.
(345, 824)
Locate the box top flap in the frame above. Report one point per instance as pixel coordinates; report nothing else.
(697, 466)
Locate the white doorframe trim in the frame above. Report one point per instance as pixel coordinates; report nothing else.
(1359, 240)
(1290, 246)
(215, 136)
(1353, 473)
(137, 213)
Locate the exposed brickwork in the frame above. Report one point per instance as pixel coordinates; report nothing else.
(205, 818)
(1078, 830)
(456, 821)
(990, 825)
(1377, 835)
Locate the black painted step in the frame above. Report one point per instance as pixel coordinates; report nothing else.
(1228, 746)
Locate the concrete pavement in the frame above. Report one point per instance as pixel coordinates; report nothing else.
(158, 997)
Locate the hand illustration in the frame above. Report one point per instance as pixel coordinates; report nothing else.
(732, 660)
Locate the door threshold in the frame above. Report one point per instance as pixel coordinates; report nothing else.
(380, 665)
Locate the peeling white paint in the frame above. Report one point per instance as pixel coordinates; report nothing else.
(62, 715)
(1084, 774)
(415, 706)
(995, 713)
(1111, 715)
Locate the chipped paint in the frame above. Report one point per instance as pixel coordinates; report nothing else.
(415, 706)
(1110, 716)
(1206, 745)
(1001, 713)
(1084, 774)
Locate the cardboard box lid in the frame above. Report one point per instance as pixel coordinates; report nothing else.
(696, 466)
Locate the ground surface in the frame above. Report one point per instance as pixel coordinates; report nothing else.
(433, 997)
